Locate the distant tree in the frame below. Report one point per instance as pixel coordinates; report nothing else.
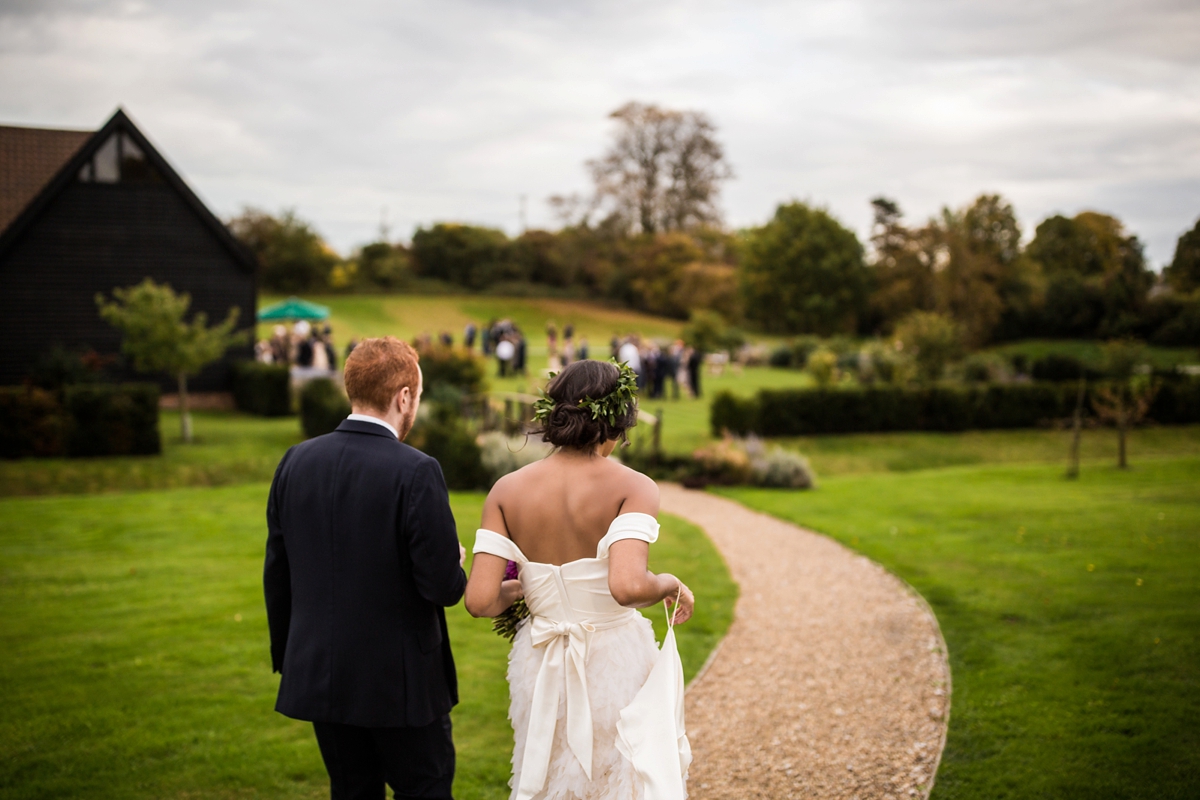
(384, 265)
(1183, 274)
(708, 332)
(541, 257)
(932, 340)
(662, 172)
(466, 255)
(656, 270)
(984, 273)
(1096, 275)
(902, 267)
(803, 272)
(292, 257)
(157, 338)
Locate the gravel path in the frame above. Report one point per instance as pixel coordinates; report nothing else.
(832, 681)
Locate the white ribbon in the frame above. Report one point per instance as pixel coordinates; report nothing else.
(566, 646)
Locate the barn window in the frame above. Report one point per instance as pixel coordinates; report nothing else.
(119, 160)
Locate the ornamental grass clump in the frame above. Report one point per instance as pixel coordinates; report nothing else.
(736, 461)
(778, 468)
(502, 454)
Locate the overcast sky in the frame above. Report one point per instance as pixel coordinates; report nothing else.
(452, 110)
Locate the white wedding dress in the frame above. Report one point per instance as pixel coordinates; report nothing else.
(596, 707)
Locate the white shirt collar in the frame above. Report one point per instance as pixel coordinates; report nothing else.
(376, 420)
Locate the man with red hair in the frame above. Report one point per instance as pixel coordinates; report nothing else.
(362, 559)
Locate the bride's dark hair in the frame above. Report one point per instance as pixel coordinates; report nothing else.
(571, 426)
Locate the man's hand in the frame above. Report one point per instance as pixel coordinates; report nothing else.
(462, 554)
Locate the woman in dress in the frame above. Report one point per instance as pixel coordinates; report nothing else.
(579, 527)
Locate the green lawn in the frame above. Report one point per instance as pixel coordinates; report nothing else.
(135, 651)
(237, 448)
(1071, 611)
(230, 448)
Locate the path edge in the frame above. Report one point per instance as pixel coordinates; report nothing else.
(908, 587)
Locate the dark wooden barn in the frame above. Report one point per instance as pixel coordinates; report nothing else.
(84, 212)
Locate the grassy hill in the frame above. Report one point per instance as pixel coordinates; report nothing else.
(407, 316)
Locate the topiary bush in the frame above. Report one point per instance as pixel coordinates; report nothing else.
(440, 432)
(803, 412)
(323, 406)
(112, 419)
(1057, 367)
(442, 365)
(733, 414)
(32, 423)
(262, 389)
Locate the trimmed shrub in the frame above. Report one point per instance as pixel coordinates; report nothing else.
(1057, 367)
(323, 406)
(458, 368)
(262, 389)
(1177, 401)
(734, 414)
(448, 440)
(804, 412)
(32, 423)
(112, 419)
(781, 356)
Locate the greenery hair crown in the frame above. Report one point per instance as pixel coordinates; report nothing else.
(608, 407)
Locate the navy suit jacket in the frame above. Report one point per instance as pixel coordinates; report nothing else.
(362, 558)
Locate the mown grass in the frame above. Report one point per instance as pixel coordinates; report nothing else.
(135, 651)
(1071, 610)
(235, 448)
(230, 448)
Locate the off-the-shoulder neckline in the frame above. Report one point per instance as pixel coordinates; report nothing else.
(596, 557)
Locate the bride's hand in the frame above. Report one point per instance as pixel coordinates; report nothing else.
(687, 601)
(510, 592)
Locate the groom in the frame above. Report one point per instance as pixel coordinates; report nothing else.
(362, 557)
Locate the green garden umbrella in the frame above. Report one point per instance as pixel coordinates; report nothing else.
(292, 309)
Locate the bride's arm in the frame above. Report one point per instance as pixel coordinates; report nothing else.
(630, 580)
(488, 594)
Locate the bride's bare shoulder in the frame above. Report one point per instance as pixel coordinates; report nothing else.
(639, 489)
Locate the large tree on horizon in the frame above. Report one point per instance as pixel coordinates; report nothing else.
(662, 171)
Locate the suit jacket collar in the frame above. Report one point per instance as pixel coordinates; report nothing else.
(356, 426)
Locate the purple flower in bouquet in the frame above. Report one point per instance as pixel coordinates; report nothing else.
(510, 618)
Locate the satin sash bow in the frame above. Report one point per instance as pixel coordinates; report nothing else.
(566, 645)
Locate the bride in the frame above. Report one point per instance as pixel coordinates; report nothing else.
(596, 708)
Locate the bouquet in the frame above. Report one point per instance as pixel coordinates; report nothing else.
(506, 624)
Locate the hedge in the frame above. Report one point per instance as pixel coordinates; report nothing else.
(32, 423)
(804, 412)
(112, 419)
(322, 407)
(263, 389)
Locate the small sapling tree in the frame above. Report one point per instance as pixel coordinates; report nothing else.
(1126, 400)
(158, 339)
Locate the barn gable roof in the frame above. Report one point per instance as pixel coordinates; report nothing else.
(30, 152)
(29, 158)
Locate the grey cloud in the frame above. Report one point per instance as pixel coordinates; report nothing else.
(454, 109)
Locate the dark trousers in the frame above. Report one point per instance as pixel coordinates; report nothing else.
(415, 762)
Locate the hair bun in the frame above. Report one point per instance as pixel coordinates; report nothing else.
(568, 425)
